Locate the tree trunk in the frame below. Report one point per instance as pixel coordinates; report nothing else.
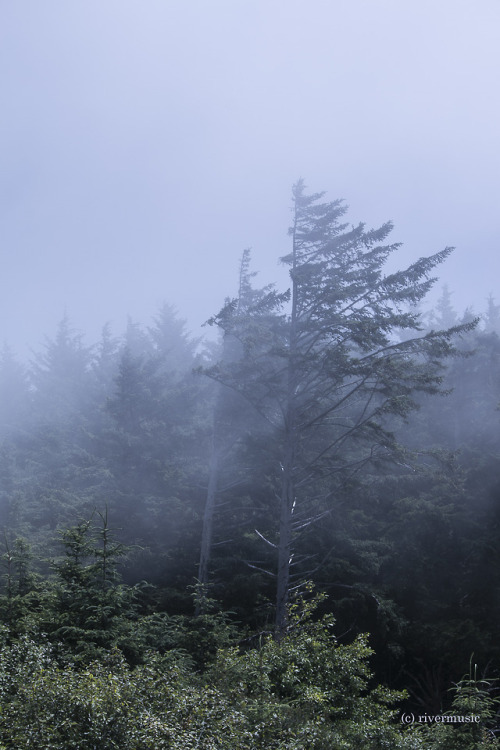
(208, 526)
(288, 468)
(285, 541)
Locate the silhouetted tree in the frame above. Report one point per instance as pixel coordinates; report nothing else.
(330, 373)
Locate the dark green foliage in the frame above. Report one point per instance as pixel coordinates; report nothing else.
(468, 725)
(23, 592)
(106, 705)
(91, 612)
(307, 692)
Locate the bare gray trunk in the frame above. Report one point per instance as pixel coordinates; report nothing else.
(288, 479)
(285, 543)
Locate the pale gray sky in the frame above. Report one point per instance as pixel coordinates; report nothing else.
(145, 144)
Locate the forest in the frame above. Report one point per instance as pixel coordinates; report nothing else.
(287, 537)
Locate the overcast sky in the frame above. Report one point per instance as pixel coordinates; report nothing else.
(145, 143)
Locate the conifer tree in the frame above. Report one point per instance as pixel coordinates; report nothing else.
(244, 321)
(348, 355)
(92, 607)
(444, 315)
(61, 376)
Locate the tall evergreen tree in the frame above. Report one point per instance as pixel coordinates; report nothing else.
(54, 469)
(171, 342)
(232, 414)
(60, 376)
(152, 442)
(331, 372)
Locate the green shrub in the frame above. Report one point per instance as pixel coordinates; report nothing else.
(109, 706)
(307, 691)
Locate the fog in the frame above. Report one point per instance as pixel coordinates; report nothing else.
(144, 145)
(328, 439)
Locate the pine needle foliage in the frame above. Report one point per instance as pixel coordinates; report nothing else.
(331, 360)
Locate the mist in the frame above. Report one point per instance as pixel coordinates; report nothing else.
(248, 392)
(144, 148)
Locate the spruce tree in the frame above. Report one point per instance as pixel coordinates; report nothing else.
(348, 356)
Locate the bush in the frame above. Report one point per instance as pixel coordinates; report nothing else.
(109, 706)
(307, 691)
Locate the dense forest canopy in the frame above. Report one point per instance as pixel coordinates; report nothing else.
(217, 526)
